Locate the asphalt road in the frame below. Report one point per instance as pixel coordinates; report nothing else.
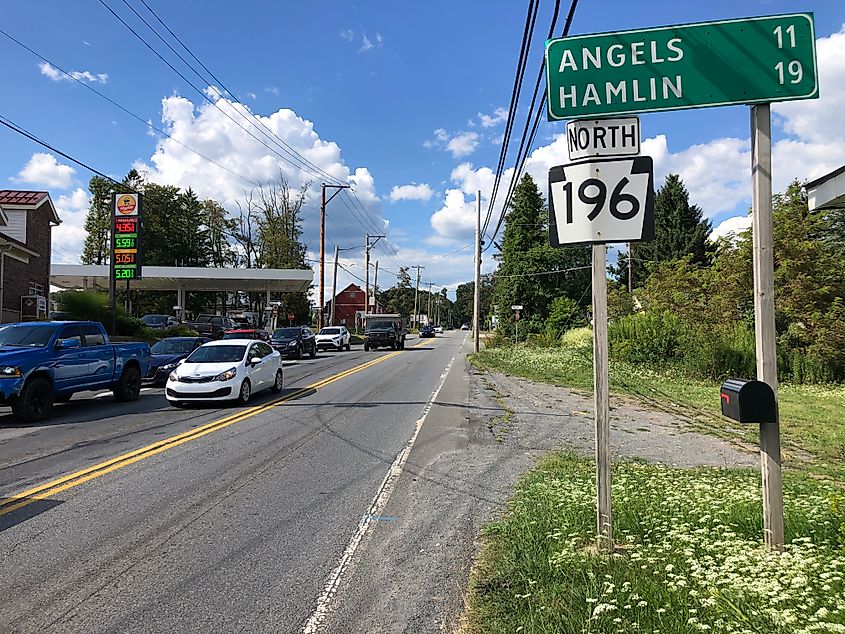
(140, 517)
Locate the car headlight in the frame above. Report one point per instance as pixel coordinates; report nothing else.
(228, 375)
(10, 372)
(292, 344)
(173, 377)
(169, 366)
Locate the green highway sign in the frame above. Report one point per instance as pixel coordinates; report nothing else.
(743, 61)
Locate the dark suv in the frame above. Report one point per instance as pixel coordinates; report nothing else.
(426, 331)
(294, 341)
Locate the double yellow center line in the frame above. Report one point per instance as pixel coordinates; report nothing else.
(49, 489)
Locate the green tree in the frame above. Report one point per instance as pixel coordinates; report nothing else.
(531, 272)
(679, 230)
(96, 249)
(219, 227)
(400, 297)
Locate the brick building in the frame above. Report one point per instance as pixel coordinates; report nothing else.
(27, 219)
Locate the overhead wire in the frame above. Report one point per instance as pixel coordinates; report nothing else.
(124, 109)
(525, 46)
(520, 163)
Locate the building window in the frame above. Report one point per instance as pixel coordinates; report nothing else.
(36, 289)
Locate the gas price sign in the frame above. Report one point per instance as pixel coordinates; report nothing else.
(126, 237)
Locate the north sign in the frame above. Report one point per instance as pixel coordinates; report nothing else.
(743, 61)
(598, 201)
(603, 137)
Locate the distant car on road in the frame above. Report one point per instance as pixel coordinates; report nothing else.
(336, 337)
(231, 369)
(159, 322)
(464, 326)
(427, 331)
(293, 342)
(247, 333)
(166, 354)
(45, 362)
(212, 325)
(438, 330)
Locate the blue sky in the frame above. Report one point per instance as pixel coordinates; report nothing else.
(385, 94)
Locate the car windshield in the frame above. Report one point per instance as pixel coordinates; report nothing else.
(154, 320)
(381, 324)
(26, 336)
(172, 346)
(286, 333)
(330, 331)
(217, 354)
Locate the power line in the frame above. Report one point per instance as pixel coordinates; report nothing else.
(525, 46)
(252, 120)
(549, 272)
(520, 164)
(124, 109)
(201, 92)
(15, 127)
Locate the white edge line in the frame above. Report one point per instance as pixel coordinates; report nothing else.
(324, 601)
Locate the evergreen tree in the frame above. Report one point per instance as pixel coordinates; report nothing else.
(679, 230)
(526, 274)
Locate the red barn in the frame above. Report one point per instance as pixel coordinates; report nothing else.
(350, 303)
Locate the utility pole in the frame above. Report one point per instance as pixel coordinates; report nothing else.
(416, 322)
(630, 269)
(764, 317)
(375, 290)
(428, 310)
(334, 285)
(367, 269)
(476, 307)
(323, 203)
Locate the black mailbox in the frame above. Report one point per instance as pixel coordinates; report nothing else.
(749, 401)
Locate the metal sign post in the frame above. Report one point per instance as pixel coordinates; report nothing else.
(601, 402)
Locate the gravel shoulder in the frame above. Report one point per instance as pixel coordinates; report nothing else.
(484, 431)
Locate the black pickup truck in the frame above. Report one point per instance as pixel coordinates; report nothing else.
(384, 331)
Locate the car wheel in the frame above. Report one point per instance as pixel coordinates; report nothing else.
(298, 353)
(244, 393)
(35, 401)
(129, 386)
(348, 347)
(366, 347)
(314, 351)
(278, 383)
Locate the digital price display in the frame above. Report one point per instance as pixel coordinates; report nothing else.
(126, 237)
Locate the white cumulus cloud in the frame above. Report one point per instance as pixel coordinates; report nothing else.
(414, 191)
(69, 236)
(44, 170)
(463, 144)
(51, 72)
(731, 227)
(499, 115)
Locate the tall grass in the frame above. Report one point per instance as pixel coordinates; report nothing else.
(691, 557)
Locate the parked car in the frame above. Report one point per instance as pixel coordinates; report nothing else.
(336, 337)
(438, 330)
(464, 326)
(42, 363)
(159, 322)
(231, 369)
(294, 342)
(166, 354)
(427, 331)
(247, 333)
(58, 315)
(212, 325)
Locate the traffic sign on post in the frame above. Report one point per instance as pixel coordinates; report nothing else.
(601, 200)
(743, 61)
(603, 137)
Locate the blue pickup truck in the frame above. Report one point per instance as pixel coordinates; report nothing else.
(42, 363)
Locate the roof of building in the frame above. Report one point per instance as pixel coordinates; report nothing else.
(827, 192)
(28, 200)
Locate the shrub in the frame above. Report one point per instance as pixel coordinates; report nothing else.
(650, 337)
(564, 314)
(577, 338)
(720, 354)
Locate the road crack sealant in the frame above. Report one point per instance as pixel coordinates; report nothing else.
(341, 572)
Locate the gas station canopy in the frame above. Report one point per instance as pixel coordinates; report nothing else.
(185, 278)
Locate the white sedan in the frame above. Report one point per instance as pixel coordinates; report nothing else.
(225, 370)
